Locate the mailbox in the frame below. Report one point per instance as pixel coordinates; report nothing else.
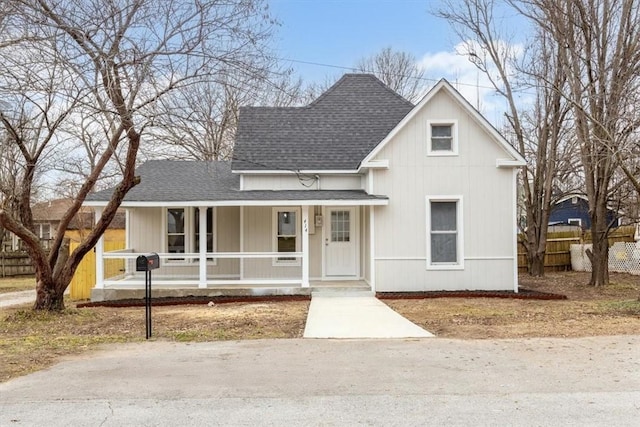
(147, 262)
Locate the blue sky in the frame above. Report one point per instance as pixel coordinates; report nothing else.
(340, 32)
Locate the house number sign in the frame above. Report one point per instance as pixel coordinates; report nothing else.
(305, 226)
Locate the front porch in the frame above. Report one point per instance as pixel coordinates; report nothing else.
(308, 259)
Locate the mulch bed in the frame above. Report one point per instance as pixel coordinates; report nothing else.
(521, 294)
(193, 300)
(196, 300)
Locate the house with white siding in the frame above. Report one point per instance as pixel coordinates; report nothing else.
(359, 187)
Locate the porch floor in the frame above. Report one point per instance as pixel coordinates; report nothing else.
(129, 290)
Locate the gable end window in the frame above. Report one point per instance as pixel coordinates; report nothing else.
(442, 138)
(444, 233)
(286, 230)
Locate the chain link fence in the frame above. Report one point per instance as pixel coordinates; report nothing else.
(624, 257)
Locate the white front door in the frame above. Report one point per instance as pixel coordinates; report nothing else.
(341, 242)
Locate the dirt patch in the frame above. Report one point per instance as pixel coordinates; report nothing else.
(587, 311)
(30, 341)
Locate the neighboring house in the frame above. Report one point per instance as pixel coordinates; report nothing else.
(360, 186)
(574, 210)
(46, 218)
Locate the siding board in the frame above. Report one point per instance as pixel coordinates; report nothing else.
(412, 176)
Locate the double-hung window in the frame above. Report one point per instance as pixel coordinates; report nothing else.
(286, 234)
(183, 232)
(45, 231)
(442, 138)
(444, 239)
(176, 232)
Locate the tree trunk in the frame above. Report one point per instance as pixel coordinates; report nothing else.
(535, 264)
(50, 293)
(49, 296)
(536, 238)
(599, 256)
(599, 263)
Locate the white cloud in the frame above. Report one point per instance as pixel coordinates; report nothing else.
(473, 84)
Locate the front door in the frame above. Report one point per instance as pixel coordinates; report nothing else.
(341, 242)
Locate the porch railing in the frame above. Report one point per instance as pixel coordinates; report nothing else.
(219, 269)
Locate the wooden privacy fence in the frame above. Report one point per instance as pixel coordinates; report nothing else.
(558, 256)
(15, 264)
(85, 277)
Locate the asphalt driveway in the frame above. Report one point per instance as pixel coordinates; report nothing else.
(589, 381)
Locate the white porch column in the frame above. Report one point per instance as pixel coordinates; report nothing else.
(127, 228)
(305, 246)
(372, 248)
(202, 226)
(99, 252)
(241, 240)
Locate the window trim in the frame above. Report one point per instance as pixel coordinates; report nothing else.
(40, 226)
(190, 235)
(274, 235)
(214, 232)
(459, 265)
(454, 138)
(579, 220)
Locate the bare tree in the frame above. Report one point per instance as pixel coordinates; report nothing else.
(599, 52)
(114, 60)
(10, 171)
(86, 135)
(200, 121)
(398, 70)
(537, 131)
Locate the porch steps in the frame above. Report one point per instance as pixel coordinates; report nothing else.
(352, 290)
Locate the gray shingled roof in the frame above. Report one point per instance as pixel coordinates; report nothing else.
(185, 181)
(335, 132)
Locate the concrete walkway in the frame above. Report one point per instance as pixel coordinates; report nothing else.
(357, 317)
(17, 298)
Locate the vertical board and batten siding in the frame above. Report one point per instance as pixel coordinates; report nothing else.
(486, 191)
(292, 182)
(259, 237)
(145, 229)
(227, 240)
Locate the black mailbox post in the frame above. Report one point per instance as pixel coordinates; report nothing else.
(146, 263)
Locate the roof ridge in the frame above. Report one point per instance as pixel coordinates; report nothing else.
(396, 94)
(267, 107)
(351, 75)
(328, 91)
(185, 161)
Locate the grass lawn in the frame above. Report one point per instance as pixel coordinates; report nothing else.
(588, 311)
(18, 283)
(31, 341)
